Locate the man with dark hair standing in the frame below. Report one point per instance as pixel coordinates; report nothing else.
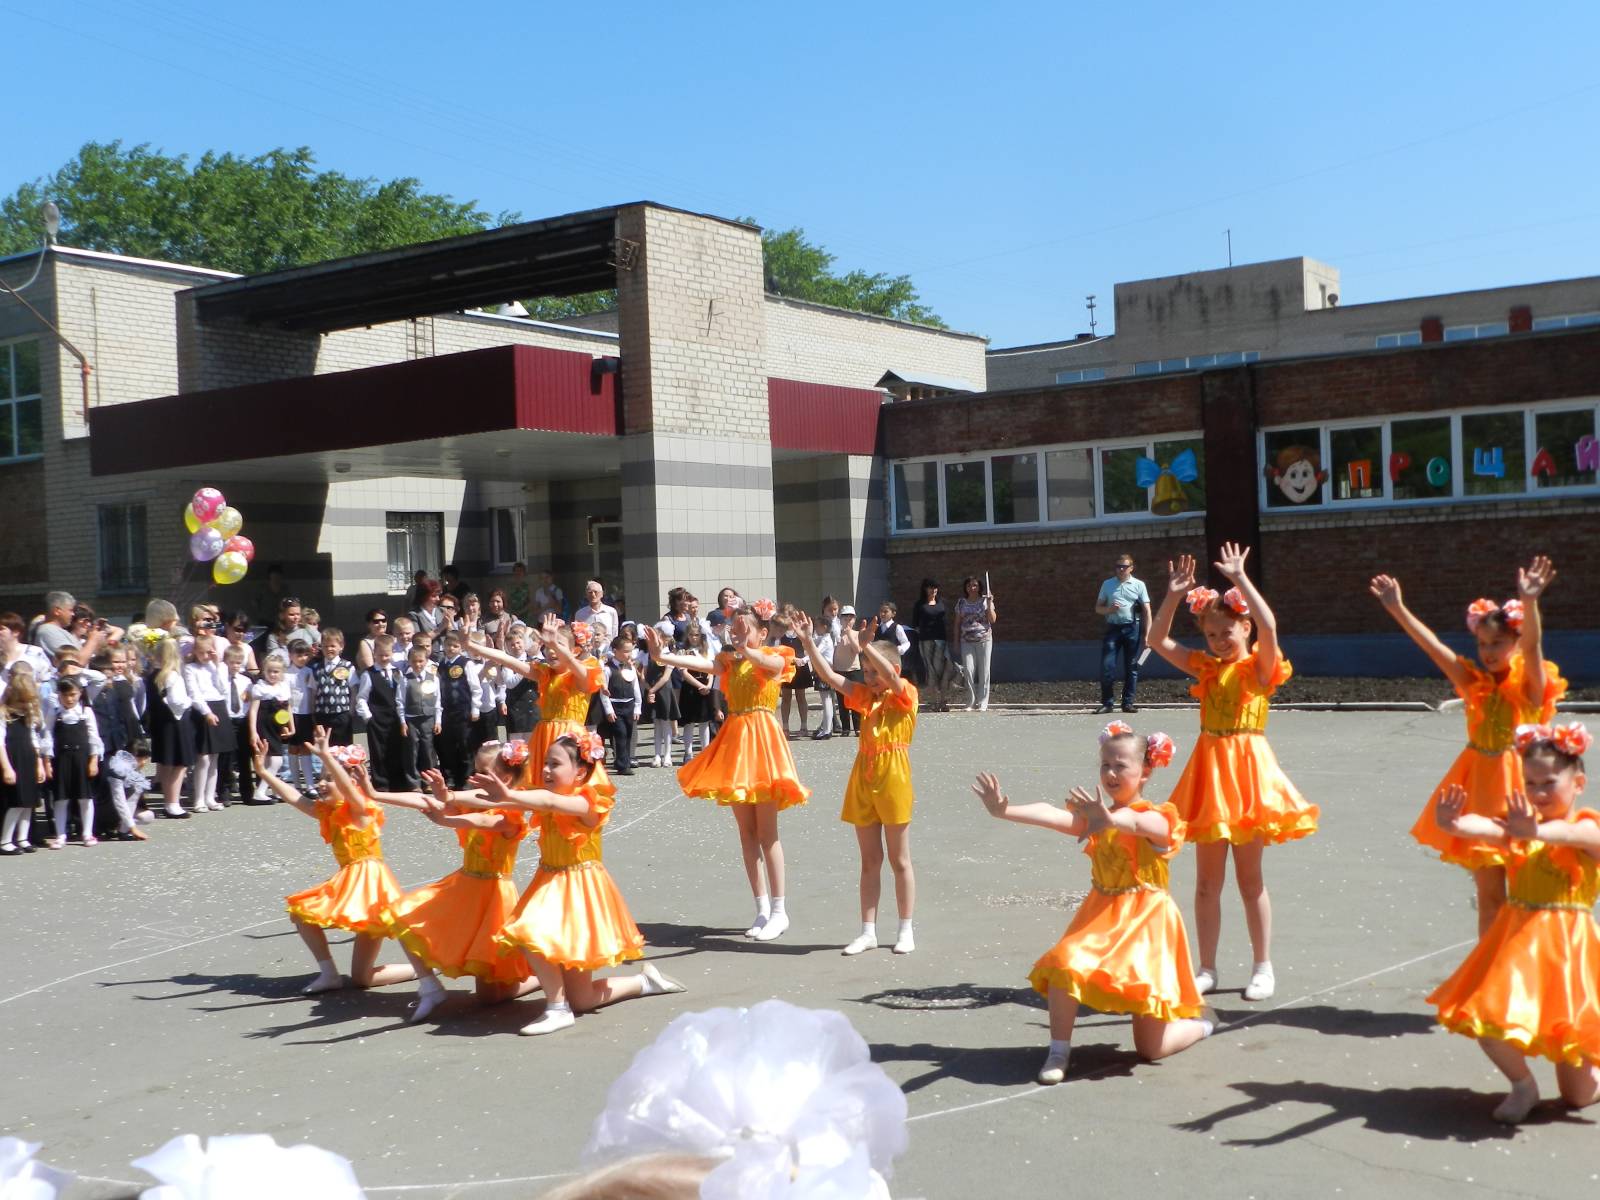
(1124, 601)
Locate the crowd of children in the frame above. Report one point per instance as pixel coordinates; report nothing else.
(432, 709)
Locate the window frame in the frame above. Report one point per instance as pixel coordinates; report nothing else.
(136, 584)
(11, 402)
(498, 562)
(394, 521)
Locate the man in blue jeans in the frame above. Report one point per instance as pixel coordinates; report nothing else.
(1124, 601)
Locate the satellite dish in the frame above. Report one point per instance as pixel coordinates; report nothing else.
(52, 220)
(514, 309)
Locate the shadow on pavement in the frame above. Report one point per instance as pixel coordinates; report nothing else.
(1325, 1018)
(1001, 1066)
(706, 937)
(1440, 1114)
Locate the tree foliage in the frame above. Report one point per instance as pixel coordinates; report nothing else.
(802, 269)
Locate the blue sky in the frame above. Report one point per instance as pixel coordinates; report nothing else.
(1010, 157)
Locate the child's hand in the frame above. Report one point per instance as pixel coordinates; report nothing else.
(40, 774)
(319, 739)
(94, 767)
(49, 768)
(8, 775)
(1387, 590)
(437, 729)
(490, 788)
(1532, 582)
(259, 756)
(435, 783)
(211, 718)
(549, 630)
(1180, 577)
(654, 643)
(1232, 563)
(358, 775)
(405, 730)
(867, 633)
(1091, 808)
(1521, 821)
(987, 788)
(801, 624)
(1448, 805)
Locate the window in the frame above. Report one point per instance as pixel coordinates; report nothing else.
(966, 493)
(1293, 468)
(1565, 451)
(1388, 341)
(124, 561)
(1196, 362)
(1120, 489)
(1082, 375)
(1357, 455)
(1421, 459)
(1466, 333)
(1570, 321)
(505, 537)
(1180, 484)
(1069, 485)
(21, 407)
(1493, 454)
(416, 543)
(916, 496)
(1016, 488)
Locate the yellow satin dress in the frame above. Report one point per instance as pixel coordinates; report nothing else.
(1533, 979)
(1232, 788)
(1126, 950)
(879, 791)
(451, 924)
(748, 762)
(1489, 766)
(362, 887)
(572, 913)
(563, 708)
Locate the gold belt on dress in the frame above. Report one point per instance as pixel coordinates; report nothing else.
(1228, 732)
(484, 874)
(587, 864)
(1471, 745)
(886, 748)
(739, 712)
(1123, 891)
(1533, 906)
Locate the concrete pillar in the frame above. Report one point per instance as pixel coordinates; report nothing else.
(696, 451)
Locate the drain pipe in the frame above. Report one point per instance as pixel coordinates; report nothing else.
(84, 369)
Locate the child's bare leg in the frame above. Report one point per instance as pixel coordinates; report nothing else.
(1211, 872)
(869, 840)
(785, 701)
(1154, 1038)
(744, 817)
(498, 993)
(1580, 1086)
(898, 838)
(1257, 917)
(1513, 1065)
(772, 856)
(1063, 1015)
(557, 1009)
(1491, 884)
(171, 781)
(364, 971)
(588, 993)
(430, 992)
(316, 940)
(801, 703)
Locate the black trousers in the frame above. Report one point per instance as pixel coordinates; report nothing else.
(236, 766)
(455, 749)
(849, 718)
(386, 755)
(620, 731)
(417, 752)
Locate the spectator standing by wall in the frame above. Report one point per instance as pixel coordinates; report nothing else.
(930, 621)
(975, 618)
(1124, 602)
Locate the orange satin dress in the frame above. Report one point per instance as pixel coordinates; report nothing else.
(1232, 788)
(572, 914)
(748, 762)
(563, 707)
(1534, 977)
(451, 925)
(363, 885)
(1489, 766)
(1126, 950)
(879, 791)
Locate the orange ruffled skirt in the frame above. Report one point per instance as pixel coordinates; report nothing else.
(1233, 790)
(1533, 980)
(748, 762)
(1127, 953)
(451, 926)
(351, 899)
(574, 918)
(1489, 779)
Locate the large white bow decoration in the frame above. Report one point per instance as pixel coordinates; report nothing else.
(246, 1167)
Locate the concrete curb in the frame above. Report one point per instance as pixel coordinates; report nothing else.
(1173, 706)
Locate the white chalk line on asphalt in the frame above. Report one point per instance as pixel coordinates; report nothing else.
(1037, 1088)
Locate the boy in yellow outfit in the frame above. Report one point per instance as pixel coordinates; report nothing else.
(878, 798)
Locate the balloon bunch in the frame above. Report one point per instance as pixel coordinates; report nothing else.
(214, 536)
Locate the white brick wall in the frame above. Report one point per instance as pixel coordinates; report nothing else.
(815, 344)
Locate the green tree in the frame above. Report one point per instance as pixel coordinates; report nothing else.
(802, 269)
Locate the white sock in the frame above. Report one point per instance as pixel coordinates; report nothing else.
(1519, 1102)
(1060, 1046)
(777, 906)
(86, 816)
(905, 941)
(905, 926)
(763, 906)
(58, 813)
(8, 826)
(328, 978)
(865, 940)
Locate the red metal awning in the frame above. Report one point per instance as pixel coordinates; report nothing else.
(819, 418)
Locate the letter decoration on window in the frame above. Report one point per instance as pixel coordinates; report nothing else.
(1544, 463)
(1169, 498)
(1438, 471)
(1398, 462)
(1360, 472)
(1587, 452)
(1490, 461)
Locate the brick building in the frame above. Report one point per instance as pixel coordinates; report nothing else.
(1445, 463)
(369, 419)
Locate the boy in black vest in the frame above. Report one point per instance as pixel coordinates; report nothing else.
(621, 700)
(379, 699)
(330, 686)
(458, 709)
(419, 717)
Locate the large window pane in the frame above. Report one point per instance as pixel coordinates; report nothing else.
(1294, 468)
(5, 372)
(8, 444)
(25, 368)
(1357, 462)
(1016, 488)
(1181, 482)
(30, 427)
(1121, 491)
(1419, 458)
(1069, 484)
(1561, 449)
(916, 496)
(1493, 457)
(964, 500)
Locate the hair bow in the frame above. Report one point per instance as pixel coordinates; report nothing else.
(764, 608)
(1573, 740)
(514, 753)
(591, 747)
(1115, 729)
(1511, 612)
(1200, 598)
(1235, 600)
(348, 756)
(580, 632)
(1158, 748)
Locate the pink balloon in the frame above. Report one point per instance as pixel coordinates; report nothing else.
(207, 503)
(205, 545)
(239, 544)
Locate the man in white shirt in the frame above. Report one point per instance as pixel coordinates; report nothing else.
(601, 618)
(1124, 602)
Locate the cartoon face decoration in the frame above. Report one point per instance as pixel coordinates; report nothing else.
(1297, 473)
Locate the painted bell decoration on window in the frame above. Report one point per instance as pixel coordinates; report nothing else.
(1168, 480)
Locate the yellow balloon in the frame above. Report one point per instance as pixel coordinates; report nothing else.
(229, 567)
(228, 521)
(190, 521)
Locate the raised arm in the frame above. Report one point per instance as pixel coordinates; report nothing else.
(1531, 584)
(436, 812)
(1232, 566)
(1092, 811)
(494, 791)
(871, 653)
(657, 645)
(1180, 578)
(500, 658)
(1448, 816)
(335, 771)
(821, 664)
(1387, 590)
(1047, 816)
(412, 800)
(279, 788)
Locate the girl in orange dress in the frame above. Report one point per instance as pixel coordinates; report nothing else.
(1531, 987)
(572, 920)
(1514, 686)
(1232, 792)
(567, 679)
(448, 927)
(1126, 950)
(748, 766)
(362, 886)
